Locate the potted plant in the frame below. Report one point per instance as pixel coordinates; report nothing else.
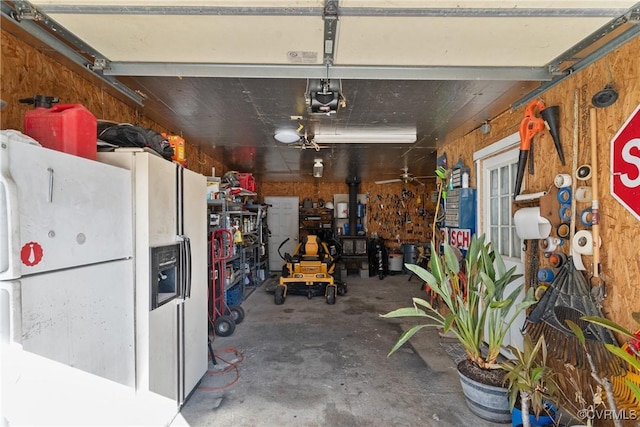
(531, 383)
(478, 307)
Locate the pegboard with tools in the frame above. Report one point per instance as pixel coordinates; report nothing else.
(402, 216)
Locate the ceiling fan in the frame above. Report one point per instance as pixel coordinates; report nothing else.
(405, 177)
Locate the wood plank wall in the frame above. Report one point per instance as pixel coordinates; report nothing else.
(619, 229)
(25, 72)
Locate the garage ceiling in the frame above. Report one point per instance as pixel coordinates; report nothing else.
(228, 74)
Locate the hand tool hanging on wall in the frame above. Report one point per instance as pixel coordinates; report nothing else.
(568, 298)
(576, 258)
(535, 120)
(551, 117)
(598, 289)
(530, 125)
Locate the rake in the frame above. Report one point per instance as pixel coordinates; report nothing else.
(568, 298)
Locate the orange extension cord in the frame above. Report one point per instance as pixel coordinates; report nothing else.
(232, 367)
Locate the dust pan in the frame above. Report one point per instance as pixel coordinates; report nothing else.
(568, 298)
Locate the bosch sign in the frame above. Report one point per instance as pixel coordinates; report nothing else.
(625, 164)
(460, 238)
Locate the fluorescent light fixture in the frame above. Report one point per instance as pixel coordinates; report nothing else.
(317, 168)
(287, 136)
(365, 138)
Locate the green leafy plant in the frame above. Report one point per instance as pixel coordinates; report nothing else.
(530, 379)
(478, 308)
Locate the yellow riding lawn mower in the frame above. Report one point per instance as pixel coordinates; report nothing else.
(311, 270)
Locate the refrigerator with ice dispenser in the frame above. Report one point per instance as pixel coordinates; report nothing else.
(170, 239)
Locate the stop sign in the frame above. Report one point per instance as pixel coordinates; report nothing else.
(625, 164)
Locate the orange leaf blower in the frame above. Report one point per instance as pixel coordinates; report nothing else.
(536, 117)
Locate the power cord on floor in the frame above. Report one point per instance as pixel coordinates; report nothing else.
(232, 366)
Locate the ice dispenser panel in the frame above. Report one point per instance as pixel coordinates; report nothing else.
(165, 262)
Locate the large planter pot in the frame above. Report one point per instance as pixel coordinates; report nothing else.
(489, 402)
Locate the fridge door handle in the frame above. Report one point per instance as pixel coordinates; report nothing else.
(10, 312)
(185, 268)
(50, 170)
(187, 281)
(9, 220)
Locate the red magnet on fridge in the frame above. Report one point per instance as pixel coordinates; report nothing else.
(31, 254)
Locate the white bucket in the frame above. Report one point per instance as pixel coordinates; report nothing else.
(395, 262)
(342, 210)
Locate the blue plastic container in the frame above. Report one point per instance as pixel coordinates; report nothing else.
(234, 295)
(542, 421)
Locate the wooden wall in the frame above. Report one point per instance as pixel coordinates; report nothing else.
(398, 213)
(25, 72)
(619, 229)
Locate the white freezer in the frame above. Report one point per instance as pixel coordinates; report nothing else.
(66, 269)
(59, 211)
(66, 272)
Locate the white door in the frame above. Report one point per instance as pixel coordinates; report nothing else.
(193, 331)
(497, 179)
(283, 223)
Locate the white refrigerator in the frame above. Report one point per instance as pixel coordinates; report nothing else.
(66, 268)
(170, 246)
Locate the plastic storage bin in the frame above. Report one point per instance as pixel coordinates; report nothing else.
(234, 295)
(395, 262)
(410, 254)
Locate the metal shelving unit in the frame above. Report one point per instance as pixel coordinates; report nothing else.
(318, 221)
(246, 268)
(259, 251)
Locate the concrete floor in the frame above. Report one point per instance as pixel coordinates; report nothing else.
(307, 363)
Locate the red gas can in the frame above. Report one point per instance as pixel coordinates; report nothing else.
(69, 128)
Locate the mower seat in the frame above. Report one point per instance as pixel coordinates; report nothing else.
(311, 249)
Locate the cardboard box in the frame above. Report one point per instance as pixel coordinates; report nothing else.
(213, 188)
